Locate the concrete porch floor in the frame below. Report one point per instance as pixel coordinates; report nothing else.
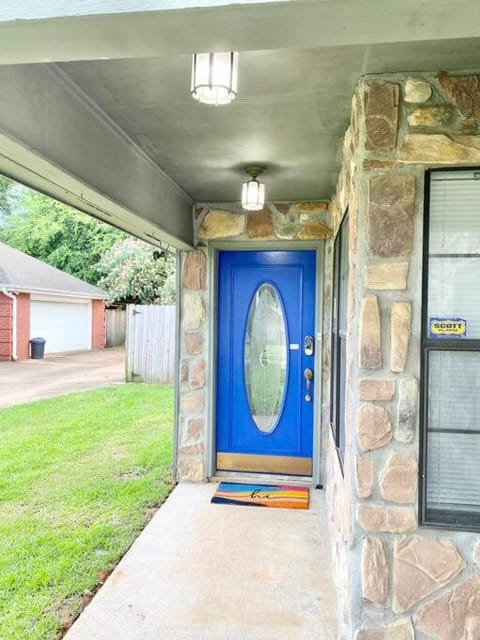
(200, 570)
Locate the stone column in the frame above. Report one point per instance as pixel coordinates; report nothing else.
(193, 368)
(404, 581)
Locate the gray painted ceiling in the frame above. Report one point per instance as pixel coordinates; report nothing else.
(292, 110)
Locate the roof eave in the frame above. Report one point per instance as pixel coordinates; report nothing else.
(54, 292)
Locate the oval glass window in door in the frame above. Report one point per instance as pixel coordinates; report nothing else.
(265, 357)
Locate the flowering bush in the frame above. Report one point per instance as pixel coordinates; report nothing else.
(131, 274)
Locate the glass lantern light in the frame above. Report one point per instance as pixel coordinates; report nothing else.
(214, 77)
(253, 191)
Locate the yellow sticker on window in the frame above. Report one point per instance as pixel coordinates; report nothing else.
(448, 328)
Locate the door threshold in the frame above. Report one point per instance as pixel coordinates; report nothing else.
(261, 478)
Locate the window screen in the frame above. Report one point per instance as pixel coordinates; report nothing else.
(451, 356)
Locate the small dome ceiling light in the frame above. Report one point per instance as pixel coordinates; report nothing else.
(253, 191)
(214, 77)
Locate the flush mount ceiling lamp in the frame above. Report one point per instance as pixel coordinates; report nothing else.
(214, 77)
(253, 191)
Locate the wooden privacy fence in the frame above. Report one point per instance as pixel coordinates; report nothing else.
(115, 327)
(150, 344)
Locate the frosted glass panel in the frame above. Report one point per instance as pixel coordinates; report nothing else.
(265, 357)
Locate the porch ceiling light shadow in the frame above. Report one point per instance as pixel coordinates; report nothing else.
(214, 77)
(253, 191)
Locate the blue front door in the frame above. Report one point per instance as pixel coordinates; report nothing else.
(266, 328)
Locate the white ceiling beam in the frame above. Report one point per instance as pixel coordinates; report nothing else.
(271, 25)
(54, 139)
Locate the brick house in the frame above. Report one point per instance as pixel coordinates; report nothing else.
(37, 300)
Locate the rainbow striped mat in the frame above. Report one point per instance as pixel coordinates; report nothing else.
(262, 495)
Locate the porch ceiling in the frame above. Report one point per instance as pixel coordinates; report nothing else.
(119, 94)
(291, 112)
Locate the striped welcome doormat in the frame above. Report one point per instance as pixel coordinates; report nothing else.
(262, 495)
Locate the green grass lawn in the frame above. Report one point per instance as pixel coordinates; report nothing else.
(80, 475)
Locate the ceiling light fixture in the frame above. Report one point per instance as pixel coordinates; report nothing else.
(214, 77)
(253, 191)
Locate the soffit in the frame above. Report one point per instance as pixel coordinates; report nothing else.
(291, 113)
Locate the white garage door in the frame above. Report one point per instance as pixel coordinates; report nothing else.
(66, 326)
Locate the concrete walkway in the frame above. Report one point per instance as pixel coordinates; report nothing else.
(27, 380)
(204, 571)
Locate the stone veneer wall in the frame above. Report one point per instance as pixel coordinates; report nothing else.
(396, 581)
(276, 222)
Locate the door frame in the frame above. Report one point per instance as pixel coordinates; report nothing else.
(290, 245)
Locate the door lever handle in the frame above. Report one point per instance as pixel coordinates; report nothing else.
(308, 375)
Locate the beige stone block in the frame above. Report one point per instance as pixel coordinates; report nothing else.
(259, 224)
(421, 566)
(386, 275)
(464, 92)
(193, 311)
(194, 342)
(468, 126)
(195, 429)
(375, 572)
(449, 616)
(192, 402)
(476, 553)
(374, 426)
(417, 90)
(372, 165)
(472, 628)
(191, 449)
(184, 371)
(285, 225)
(386, 519)
(370, 332)
(376, 389)
(194, 274)
(311, 207)
(314, 230)
(391, 211)
(354, 120)
(381, 115)
(219, 223)
(399, 478)
(399, 630)
(364, 477)
(400, 329)
(197, 374)
(282, 207)
(190, 469)
(407, 410)
(425, 148)
(435, 115)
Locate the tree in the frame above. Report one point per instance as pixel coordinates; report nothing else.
(9, 195)
(133, 272)
(54, 232)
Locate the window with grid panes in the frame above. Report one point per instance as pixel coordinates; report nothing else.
(451, 350)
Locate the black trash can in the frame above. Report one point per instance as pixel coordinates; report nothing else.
(37, 348)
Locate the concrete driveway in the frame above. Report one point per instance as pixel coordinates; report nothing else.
(27, 380)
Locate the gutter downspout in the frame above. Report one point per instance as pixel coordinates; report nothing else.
(13, 297)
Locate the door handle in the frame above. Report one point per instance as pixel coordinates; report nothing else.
(308, 375)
